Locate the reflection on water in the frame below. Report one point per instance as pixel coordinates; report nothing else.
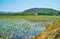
(18, 28)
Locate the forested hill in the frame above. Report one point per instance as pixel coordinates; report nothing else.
(42, 11)
(34, 11)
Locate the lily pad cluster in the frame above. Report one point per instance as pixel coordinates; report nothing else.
(19, 27)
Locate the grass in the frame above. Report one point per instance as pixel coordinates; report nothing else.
(51, 32)
(33, 17)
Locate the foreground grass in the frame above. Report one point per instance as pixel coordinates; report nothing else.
(51, 32)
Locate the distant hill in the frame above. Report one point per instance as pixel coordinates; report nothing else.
(34, 11)
(2, 12)
(42, 11)
(37, 10)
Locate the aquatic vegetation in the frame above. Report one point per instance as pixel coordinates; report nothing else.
(13, 28)
(23, 27)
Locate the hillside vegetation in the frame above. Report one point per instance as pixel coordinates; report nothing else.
(42, 11)
(34, 12)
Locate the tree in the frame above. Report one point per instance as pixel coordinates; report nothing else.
(59, 13)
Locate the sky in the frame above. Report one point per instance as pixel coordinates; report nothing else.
(21, 5)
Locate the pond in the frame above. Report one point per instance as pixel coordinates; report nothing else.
(18, 28)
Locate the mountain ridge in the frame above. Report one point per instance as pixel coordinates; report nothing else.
(36, 11)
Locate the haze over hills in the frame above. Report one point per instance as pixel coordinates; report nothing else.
(34, 11)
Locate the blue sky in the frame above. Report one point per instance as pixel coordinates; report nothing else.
(21, 5)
